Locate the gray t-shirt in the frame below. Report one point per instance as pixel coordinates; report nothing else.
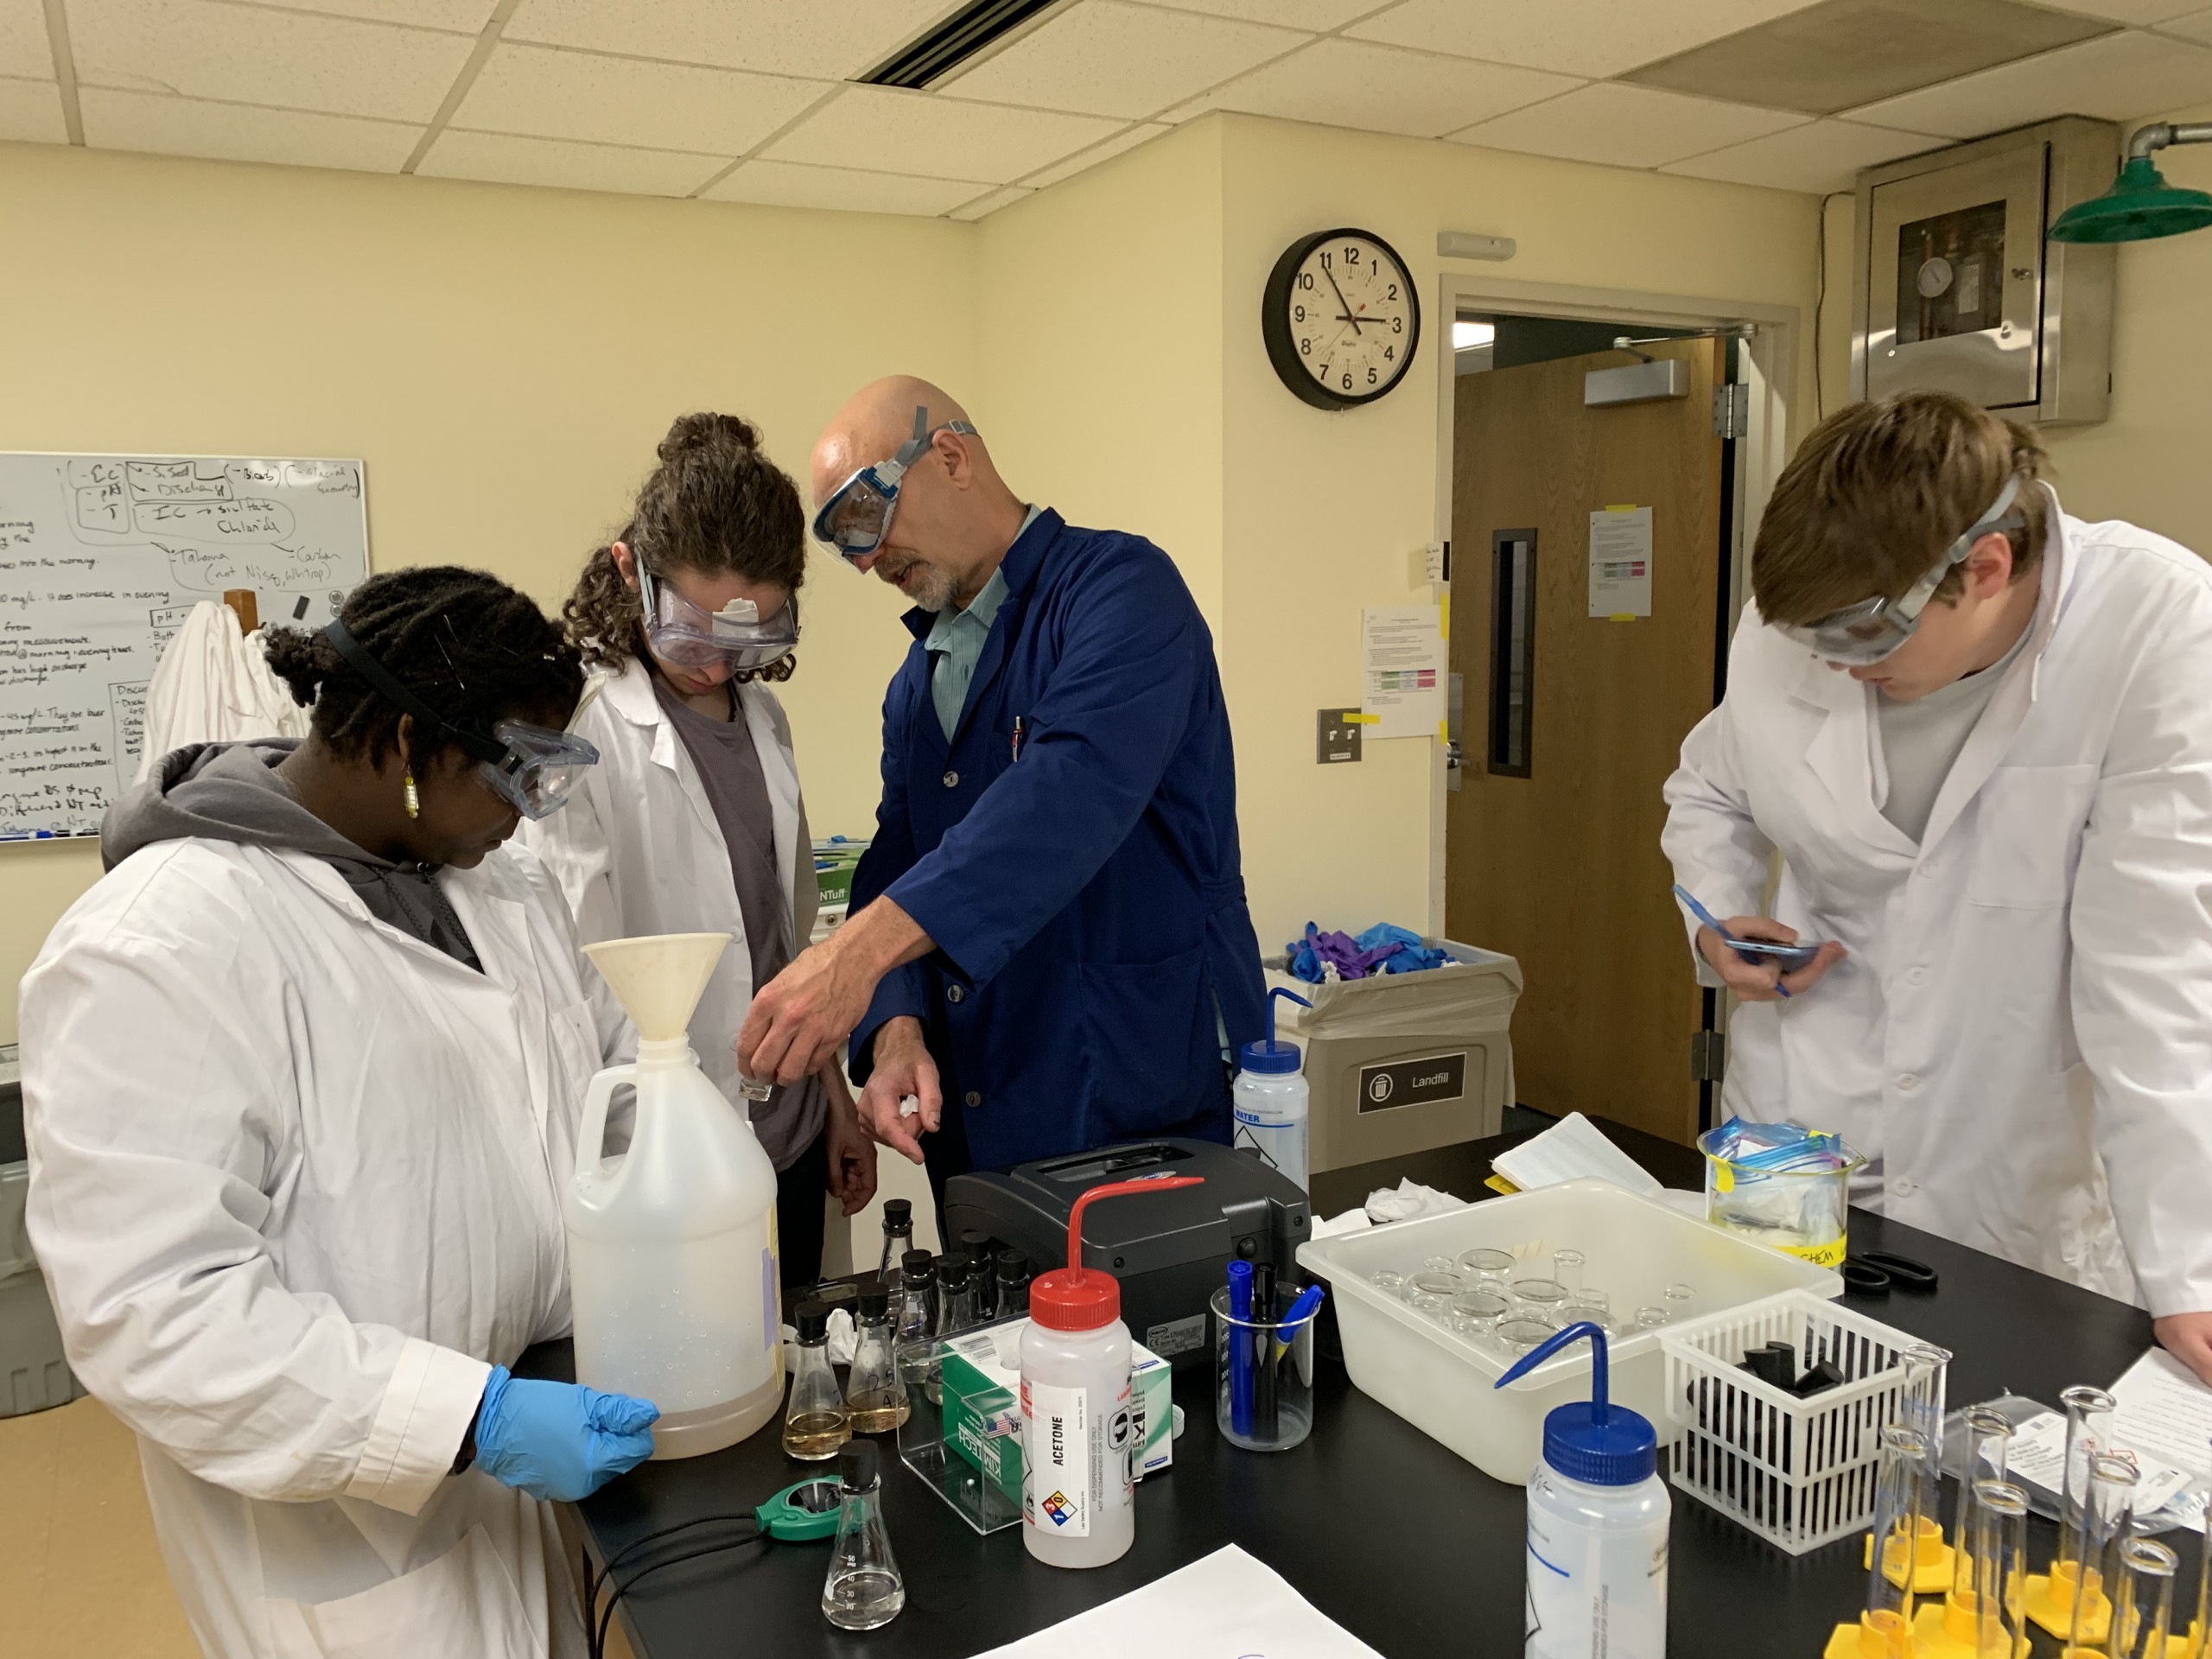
(729, 771)
(1922, 739)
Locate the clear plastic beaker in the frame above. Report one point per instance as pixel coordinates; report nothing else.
(1799, 1212)
(1281, 1377)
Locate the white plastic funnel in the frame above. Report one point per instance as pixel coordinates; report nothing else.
(658, 978)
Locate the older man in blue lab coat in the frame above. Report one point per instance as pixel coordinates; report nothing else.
(1048, 948)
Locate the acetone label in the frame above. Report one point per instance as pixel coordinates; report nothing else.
(1056, 1476)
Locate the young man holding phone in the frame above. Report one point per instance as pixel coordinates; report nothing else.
(1978, 732)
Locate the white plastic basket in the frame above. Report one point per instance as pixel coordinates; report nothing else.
(1799, 1473)
(1442, 1384)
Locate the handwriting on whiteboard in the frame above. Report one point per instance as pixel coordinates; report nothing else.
(101, 559)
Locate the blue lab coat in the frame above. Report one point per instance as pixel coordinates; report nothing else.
(1086, 897)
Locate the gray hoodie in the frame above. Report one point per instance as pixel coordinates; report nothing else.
(231, 791)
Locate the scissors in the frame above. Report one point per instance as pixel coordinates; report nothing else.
(1877, 1273)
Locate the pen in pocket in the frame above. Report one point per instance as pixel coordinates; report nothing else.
(1018, 732)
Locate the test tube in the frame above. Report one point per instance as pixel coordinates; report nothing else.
(1988, 1435)
(2088, 1420)
(1885, 1621)
(1998, 1551)
(2106, 1513)
(1566, 1268)
(2142, 1599)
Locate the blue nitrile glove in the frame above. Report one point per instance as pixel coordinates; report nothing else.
(560, 1440)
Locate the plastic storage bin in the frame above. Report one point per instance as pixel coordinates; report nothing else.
(1404, 1062)
(1799, 1473)
(1441, 1382)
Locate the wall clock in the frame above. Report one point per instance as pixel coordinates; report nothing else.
(1340, 318)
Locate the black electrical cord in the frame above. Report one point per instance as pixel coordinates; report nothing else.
(599, 1621)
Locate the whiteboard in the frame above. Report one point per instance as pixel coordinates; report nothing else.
(101, 557)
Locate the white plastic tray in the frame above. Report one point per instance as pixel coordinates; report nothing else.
(1442, 1384)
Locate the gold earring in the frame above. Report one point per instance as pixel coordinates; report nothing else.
(414, 801)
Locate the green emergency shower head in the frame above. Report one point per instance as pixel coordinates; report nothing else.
(2141, 204)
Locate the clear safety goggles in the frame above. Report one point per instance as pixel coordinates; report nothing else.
(689, 635)
(532, 768)
(1861, 635)
(857, 516)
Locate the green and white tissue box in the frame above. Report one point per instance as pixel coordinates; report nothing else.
(982, 1385)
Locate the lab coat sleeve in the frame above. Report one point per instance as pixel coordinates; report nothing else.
(153, 1165)
(573, 846)
(2141, 926)
(905, 989)
(1097, 742)
(1710, 838)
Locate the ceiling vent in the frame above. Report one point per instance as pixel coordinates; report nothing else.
(973, 28)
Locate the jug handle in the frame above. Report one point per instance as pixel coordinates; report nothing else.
(591, 1137)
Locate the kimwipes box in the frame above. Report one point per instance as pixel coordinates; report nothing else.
(982, 1378)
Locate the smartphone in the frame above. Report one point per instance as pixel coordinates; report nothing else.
(1788, 957)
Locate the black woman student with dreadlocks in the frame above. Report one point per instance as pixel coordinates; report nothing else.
(296, 1071)
(693, 822)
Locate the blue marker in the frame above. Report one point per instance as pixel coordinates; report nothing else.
(1240, 1347)
(1301, 1310)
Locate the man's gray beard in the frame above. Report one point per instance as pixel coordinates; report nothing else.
(936, 592)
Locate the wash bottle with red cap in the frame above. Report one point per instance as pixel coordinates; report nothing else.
(1078, 1429)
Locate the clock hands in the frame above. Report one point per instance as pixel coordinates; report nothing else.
(1344, 315)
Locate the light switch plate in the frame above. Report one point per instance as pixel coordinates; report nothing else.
(1336, 736)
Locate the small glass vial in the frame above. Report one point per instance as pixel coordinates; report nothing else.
(897, 1239)
(956, 1306)
(1014, 1283)
(1476, 1313)
(913, 1332)
(1431, 1290)
(863, 1591)
(875, 1400)
(1566, 1268)
(1488, 1270)
(815, 1423)
(1389, 1282)
(1541, 1299)
(1680, 1301)
(1651, 1316)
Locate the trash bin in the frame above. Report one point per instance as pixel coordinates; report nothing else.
(1404, 1062)
(34, 1375)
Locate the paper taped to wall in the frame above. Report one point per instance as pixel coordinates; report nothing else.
(1620, 562)
(1404, 668)
(101, 557)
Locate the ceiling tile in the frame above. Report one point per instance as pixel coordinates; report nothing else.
(30, 112)
(2128, 11)
(468, 16)
(1837, 54)
(983, 206)
(1626, 126)
(546, 92)
(499, 158)
(2195, 26)
(828, 40)
(253, 55)
(784, 184)
(1381, 89)
(1083, 160)
(23, 50)
(2119, 77)
(1821, 156)
(239, 132)
(918, 132)
(1575, 37)
(1104, 57)
(1291, 13)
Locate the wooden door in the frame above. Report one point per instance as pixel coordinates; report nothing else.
(1573, 722)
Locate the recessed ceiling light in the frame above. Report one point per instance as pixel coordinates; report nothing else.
(1467, 335)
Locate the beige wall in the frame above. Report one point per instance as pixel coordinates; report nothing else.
(2145, 462)
(503, 360)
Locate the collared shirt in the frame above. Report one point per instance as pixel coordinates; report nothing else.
(956, 642)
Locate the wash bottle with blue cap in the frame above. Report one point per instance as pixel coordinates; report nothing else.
(1598, 1517)
(1270, 1099)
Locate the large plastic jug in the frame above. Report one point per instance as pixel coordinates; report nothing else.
(672, 1244)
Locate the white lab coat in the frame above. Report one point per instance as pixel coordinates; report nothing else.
(2023, 1030)
(637, 850)
(215, 686)
(295, 1184)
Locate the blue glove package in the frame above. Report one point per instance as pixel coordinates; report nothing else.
(559, 1440)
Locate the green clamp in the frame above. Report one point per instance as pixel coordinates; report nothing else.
(803, 1513)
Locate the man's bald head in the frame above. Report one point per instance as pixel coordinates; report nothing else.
(874, 423)
(955, 518)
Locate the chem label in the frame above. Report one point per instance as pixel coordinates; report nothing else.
(1184, 1336)
(1056, 1479)
(1413, 1083)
